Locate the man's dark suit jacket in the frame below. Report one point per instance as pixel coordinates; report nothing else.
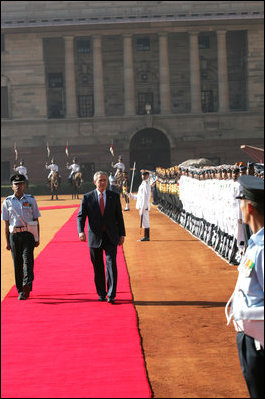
(112, 219)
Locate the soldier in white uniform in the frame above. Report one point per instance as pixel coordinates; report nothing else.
(119, 165)
(247, 300)
(74, 167)
(21, 169)
(142, 198)
(52, 167)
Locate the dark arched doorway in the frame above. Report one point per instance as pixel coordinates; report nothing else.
(149, 148)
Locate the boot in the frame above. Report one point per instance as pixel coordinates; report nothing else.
(146, 235)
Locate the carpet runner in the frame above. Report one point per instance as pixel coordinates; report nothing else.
(62, 342)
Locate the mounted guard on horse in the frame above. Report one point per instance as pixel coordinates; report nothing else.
(75, 177)
(54, 178)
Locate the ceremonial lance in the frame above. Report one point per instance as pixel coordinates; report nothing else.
(132, 177)
(111, 150)
(48, 150)
(16, 151)
(66, 150)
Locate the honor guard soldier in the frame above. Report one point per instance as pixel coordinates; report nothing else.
(74, 168)
(119, 165)
(19, 210)
(125, 188)
(142, 198)
(52, 167)
(22, 170)
(247, 300)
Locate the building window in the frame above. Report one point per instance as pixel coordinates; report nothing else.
(143, 44)
(2, 42)
(85, 106)
(55, 103)
(55, 80)
(204, 42)
(143, 100)
(4, 102)
(83, 46)
(207, 101)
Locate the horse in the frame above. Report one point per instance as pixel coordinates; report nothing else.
(76, 181)
(119, 178)
(54, 184)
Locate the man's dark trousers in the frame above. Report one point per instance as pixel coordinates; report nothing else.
(22, 248)
(96, 255)
(252, 364)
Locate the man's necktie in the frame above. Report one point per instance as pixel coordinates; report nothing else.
(101, 204)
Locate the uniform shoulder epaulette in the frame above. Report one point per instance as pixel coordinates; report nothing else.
(30, 195)
(9, 197)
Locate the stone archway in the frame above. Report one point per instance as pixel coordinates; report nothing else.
(149, 148)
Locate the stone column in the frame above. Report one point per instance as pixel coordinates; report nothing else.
(98, 77)
(128, 76)
(195, 79)
(223, 90)
(165, 98)
(70, 92)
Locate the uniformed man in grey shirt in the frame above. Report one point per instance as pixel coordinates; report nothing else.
(18, 211)
(247, 300)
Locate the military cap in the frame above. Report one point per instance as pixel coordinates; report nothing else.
(18, 178)
(252, 188)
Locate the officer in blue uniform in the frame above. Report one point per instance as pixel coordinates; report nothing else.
(247, 300)
(18, 210)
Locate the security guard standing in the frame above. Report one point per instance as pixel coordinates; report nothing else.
(18, 210)
(142, 198)
(247, 300)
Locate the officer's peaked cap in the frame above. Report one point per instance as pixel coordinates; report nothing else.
(252, 188)
(18, 178)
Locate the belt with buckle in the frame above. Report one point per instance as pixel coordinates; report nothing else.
(19, 229)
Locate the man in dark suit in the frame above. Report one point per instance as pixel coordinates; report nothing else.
(106, 230)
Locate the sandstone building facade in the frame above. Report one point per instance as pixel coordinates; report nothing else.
(164, 81)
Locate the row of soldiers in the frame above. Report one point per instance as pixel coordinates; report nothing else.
(203, 201)
(74, 167)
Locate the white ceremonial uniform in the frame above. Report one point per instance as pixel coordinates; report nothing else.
(53, 168)
(142, 198)
(119, 165)
(22, 171)
(74, 168)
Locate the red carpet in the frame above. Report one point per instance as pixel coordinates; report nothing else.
(62, 342)
(45, 208)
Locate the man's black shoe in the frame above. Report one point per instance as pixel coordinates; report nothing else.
(26, 290)
(102, 299)
(145, 239)
(111, 300)
(21, 296)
